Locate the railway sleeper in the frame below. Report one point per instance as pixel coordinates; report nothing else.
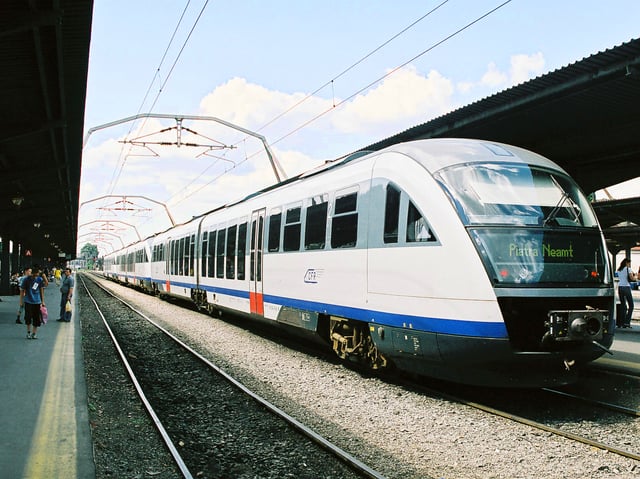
(351, 340)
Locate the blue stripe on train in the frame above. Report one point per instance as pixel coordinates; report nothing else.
(457, 327)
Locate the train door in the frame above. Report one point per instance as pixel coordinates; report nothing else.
(256, 302)
(167, 265)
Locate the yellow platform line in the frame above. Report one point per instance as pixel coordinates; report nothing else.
(53, 446)
(632, 365)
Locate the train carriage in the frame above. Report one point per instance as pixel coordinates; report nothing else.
(173, 261)
(460, 259)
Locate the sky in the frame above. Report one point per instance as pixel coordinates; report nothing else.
(314, 80)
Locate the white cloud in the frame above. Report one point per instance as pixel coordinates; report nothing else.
(401, 100)
(493, 76)
(522, 67)
(525, 67)
(326, 128)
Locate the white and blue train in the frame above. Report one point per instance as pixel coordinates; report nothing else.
(465, 260)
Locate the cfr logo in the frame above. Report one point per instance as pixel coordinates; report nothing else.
(312, 276)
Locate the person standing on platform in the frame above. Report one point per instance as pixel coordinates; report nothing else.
(57, 274)
(66, 292)
(625, 276)
(27, 273)
(32, 296)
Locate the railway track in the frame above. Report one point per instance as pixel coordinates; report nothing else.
(603, 425)
(211, 424)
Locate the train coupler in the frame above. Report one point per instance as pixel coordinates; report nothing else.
(576, 325)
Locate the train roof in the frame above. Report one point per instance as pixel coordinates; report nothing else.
(433, 153)
(437, 153)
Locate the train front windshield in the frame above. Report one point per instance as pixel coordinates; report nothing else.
(531, 226)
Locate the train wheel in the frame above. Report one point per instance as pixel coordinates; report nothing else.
(351, 340)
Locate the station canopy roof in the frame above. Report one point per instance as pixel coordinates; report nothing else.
(44, 54)
(584, 116)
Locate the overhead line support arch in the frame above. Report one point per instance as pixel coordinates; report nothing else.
(275, 165)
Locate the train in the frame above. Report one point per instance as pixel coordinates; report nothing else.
(462, 260)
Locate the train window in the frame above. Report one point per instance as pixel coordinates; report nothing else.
(344, 225)
(174, 258)
(220, 253)
(204, 252)
(172, 254)
(257, 226)
(211, 256)
(275, 220)
(417, 228)
(259, 248)
(252, 252)
(315, 229)
(242, 250)
(516, 194)
(391, 214)
(292, 230)
(231, 252)
(192, 254)
(181, 248)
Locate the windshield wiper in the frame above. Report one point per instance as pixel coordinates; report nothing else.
(575, 210)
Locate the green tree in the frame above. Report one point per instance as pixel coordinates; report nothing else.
(90, 254)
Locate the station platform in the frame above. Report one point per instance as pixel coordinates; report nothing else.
(44, 416)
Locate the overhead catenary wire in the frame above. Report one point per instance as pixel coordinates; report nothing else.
(391, 72)
(352, 66)
(122, 159)
(334, 106)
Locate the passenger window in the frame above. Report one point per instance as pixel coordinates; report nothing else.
(344, 225)
(211, 273)
(220, 253)
(275, 220)
(231, 252)
(417, 228)
(391, 214)
(315, 230)
(172, 255)
(181, 255)
(192, 254)
(204, 252)
(242, 249)
(292, 230)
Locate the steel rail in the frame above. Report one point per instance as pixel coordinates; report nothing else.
(341, 454)
(186, 474)
(531, 423)
(603, 404)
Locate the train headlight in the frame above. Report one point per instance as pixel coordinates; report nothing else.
(576, 325)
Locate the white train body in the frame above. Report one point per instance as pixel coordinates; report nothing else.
(460, 259)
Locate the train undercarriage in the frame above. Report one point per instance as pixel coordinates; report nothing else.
(351, 341)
